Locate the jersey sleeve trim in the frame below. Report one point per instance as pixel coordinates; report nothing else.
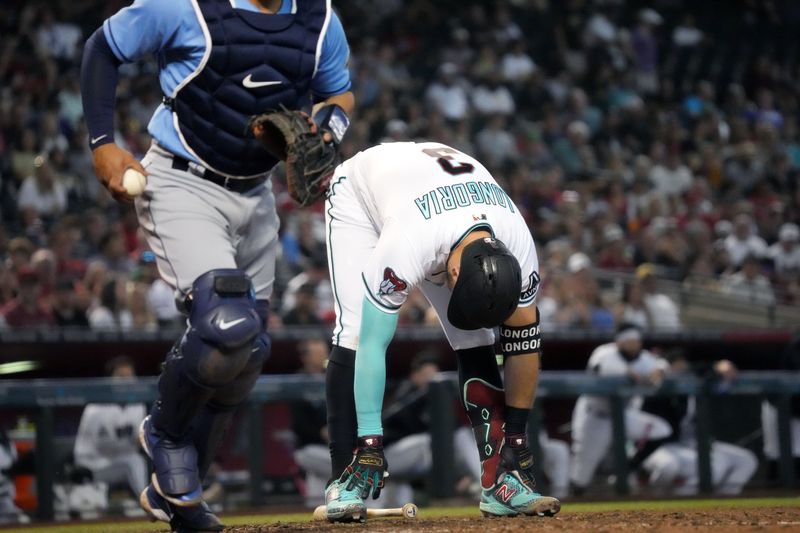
(470, 230)
(525, 303)
(322, 33)
(112, 43)
(388, 308)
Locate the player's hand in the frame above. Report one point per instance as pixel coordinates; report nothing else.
(110, 163)
(368, 467)
(327, 137)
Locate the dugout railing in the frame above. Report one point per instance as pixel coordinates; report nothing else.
(46, 395)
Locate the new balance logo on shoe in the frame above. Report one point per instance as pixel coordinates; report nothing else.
(505, 493)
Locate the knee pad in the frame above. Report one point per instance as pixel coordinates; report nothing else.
(223, 325)
(237, 390)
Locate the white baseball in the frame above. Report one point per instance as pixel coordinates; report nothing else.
(134, 182)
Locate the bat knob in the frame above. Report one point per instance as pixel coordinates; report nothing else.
(410, 510)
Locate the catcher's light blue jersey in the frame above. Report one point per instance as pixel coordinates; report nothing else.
(172, 30)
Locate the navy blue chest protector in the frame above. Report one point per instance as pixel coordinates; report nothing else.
(257, 61)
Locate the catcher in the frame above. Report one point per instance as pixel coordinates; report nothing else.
(207, 209)
(404, 215)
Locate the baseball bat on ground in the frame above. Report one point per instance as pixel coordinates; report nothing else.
(409, 510)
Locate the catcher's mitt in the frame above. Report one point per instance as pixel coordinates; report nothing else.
(309, 160)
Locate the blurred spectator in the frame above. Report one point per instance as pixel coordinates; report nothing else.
(51, 137)
(671, 178)
(627, 105)
(142, 316)
(24, 155)
(785, 253)
(107, 442)
(447, 95)
(645, 48)
(581, 306)
(304, 312)
(62, 243)
(686, 34)
(43, 193)
(67, 310)
(748, 284)
(633, 309)
(57, 39)
(26, 311)
(613, 253)
(20, 251)
(111, 311)
(492, 97)
(582, 110)
(316, 275)
(495, 142)
(743, 241)
(663, 311)
(517, 65)
(160, 296)
(570, 151)
(113, 254)
(43, 261)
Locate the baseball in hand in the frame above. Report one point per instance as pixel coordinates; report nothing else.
(134, 182)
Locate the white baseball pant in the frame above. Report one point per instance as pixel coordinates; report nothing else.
(592, 434)
(673, 466)
(769, 425)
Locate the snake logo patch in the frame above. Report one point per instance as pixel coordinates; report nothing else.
(391, 283)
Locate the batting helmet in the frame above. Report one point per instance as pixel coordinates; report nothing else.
(487, 290)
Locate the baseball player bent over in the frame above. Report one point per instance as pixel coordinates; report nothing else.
(425, 215)
(208, 208)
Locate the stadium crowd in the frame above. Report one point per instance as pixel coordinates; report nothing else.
(659, 139)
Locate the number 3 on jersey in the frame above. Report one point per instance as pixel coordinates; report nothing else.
(447, 162)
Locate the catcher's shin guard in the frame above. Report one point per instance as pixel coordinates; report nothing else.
(485, 405)
(216, 348)
(215, 351)
(215, 418)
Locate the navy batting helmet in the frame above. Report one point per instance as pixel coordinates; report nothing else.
(487, 290)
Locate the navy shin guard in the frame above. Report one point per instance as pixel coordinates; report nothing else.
(216, 348)
(216, 417)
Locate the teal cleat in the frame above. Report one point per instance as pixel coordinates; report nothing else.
(511, 497)
(344, 505)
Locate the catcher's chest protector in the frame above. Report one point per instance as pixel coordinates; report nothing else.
(257, 61)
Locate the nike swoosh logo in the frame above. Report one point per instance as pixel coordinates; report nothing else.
(96, 139)
(228, 325)
(250, 84)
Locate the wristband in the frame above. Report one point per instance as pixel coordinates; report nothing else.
(334, 120)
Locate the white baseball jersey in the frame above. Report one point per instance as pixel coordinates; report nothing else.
(606, 360)
(107, 432)
(424, 198)
(395, 212)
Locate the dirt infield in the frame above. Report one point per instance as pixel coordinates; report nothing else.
(783, 519)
